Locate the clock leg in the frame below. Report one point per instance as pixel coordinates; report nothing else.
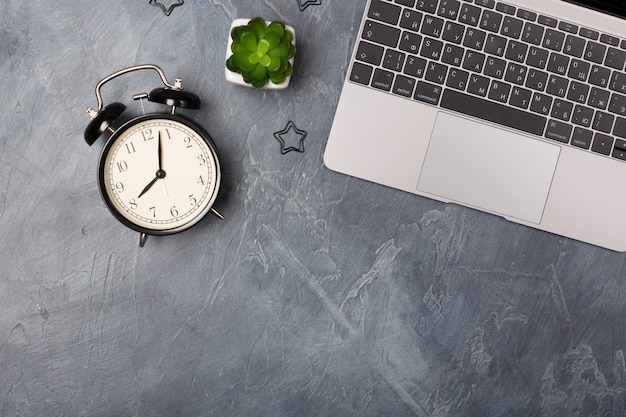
(216, 214)
(142, 239)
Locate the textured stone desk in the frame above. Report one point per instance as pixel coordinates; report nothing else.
(319, 295)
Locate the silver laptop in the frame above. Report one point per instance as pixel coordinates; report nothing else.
(516, 108)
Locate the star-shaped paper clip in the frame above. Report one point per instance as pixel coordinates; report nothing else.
(303, 4)
(167, 10)
(285, 136)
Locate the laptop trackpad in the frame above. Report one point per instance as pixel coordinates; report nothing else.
(488, 168)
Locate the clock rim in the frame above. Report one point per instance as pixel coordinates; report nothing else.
(202, 133)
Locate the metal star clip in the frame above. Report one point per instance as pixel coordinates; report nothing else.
(285, 134)
(167, 10)
(303, 4)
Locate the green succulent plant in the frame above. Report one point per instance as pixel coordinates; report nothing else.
(261, 52)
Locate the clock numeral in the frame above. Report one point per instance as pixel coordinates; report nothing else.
(133, 204)
(174, 211)
(122, 166)
(130, 148)
(153, 210)
(167, 132)
(201, 159)
(200, 180)
(192, 199)
(187, 140)
(119, 186)
(147, 135)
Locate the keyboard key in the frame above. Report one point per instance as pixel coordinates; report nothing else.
(541, 104)
(520, 97)
(436, 72)
(537, 57)
(547, 21)
(453, 32)
(581, 137)
(619, 149)
(411, 20)
(474, 61)
(370, 53)
(582, 115)
(393, 60)
(589, 33)
(361, 73)
(490, 21)
(553, 39)
(598, 98)
(618, 152)
(415, 66)
(516, 51)
(431, 49)
(410, 42)
(469, 14)
(618, 82)
(505, 8)
(428, 93)
(532, 33)
(382, 79)
(494, 67)
(452, 55)
(515, 73)
(561, 110)
(457, 79)
(474, 38)
(495, 45)
(409, 3)
(384, 12)
(602, 144)
(404, 85)
(558, 63)
(595, 52)
(536, 79)
(574, 46)
(493, 112)
(429, 6)
(568, 27)
(379, 33)
(449, 9)
(432, 26)
(615, 58)
(499, 91)
(599, 76)
(526, 15)
(486, 3)
(620, 130)
(610, 40)
(557, 86)
(603, 122)
(558, 131)
(578, 70)
(578, 92)
(617, 104)
(478, 85)
(511, 27)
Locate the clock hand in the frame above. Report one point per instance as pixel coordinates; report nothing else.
(160, 152)
(159, 175)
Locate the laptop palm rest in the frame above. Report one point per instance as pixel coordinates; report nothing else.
(488, 168)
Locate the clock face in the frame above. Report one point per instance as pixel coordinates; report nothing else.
(159, 174)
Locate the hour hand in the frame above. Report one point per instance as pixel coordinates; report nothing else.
(159, 175)
(145, 190)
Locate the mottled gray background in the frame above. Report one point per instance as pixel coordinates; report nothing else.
(319, 295)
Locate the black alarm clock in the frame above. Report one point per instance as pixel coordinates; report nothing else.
(158, 173)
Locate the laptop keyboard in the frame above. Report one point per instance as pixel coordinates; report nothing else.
(499, 63)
